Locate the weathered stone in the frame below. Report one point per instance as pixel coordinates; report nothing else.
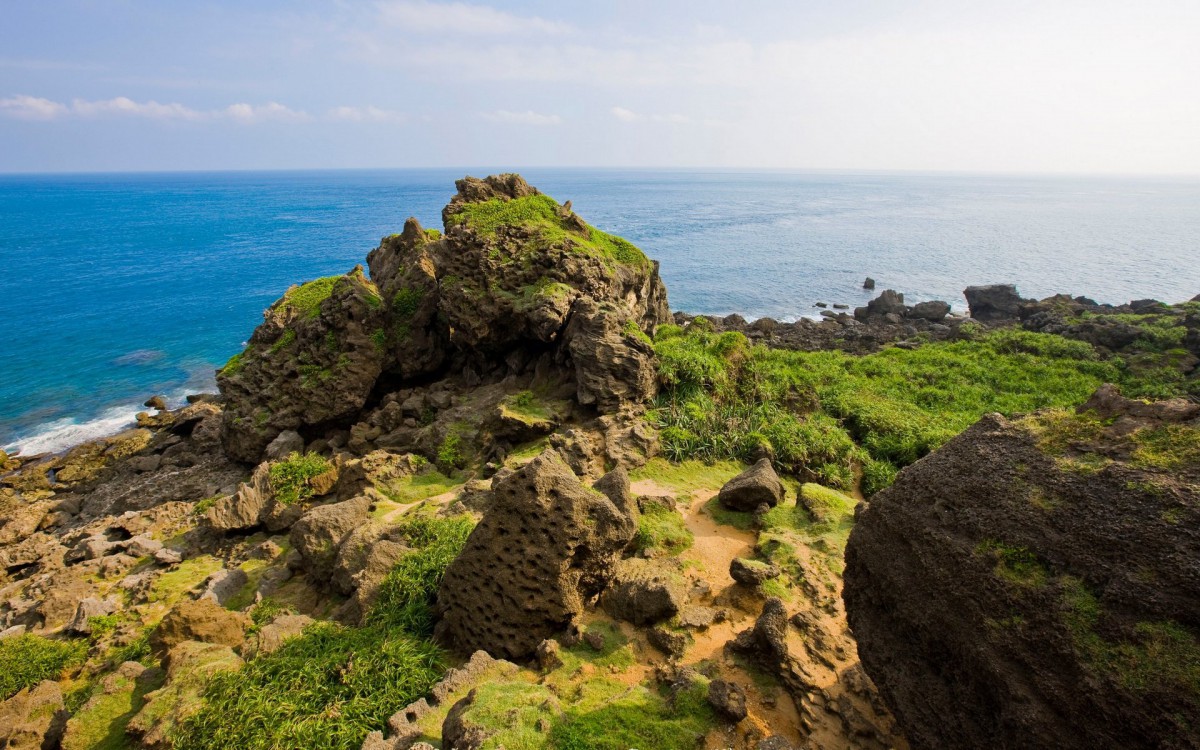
(319, 533)
(752, 572)
(244, 508)
(285, 444)
(728, 699)
(644, 591)
(87, 609)
(673, 643)
(991, 588)
(33, 718)
(933, 311)
(753, 487)
(202, 620)
(993, 303)
(546, 545)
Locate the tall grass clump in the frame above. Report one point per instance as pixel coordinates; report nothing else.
(291, 479)
(333, 684)
(27, 659)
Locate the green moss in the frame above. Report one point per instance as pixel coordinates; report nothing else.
(291, 479)
(174, 583)
(419, 486)
(379, 339)
(631, 331)
(545, 289)
(287, 338)
(662, 531)
(100, 723)
(1014, 564)
(306, 299)
(406, 302)
(234, 365)
(688, 476)
(27, 659)
(541, 214)
(454, 452)
(1170, 447)
(202, 506)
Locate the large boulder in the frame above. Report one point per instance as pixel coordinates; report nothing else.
(34, 718)
(319, 533)
(1036, 582)
(758, 485)
(199, 620)
(645, 591)
(993, 303)
(545, 546)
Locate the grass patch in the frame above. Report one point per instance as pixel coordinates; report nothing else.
(332, 685)
(100, 723)
(291, 479)
(234, 365)
(306, 299)
(687, 476)
(662, 531)
(541, 214)
(417, 487)
(821, 521)
(1017, 565)
(27, 659)
(285, 340)
(727, 398)
(170, 586)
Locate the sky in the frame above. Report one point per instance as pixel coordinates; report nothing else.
(1052, 86)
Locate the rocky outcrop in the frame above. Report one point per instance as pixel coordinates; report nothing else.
(517, 285)
(201, 620)
(313, 361)
(758, 485)
(1035, 583)
(33, 718)
(993, 303)
(319, 534)
(545, 546)
(644, 592)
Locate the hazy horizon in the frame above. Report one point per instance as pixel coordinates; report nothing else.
(1074, 89)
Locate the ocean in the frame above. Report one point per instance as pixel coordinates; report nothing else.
(118, 287)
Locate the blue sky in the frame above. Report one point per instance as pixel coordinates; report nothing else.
(1009, 86)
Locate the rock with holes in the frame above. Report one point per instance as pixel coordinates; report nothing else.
(545, 546)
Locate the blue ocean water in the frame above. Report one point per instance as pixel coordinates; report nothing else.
(118, 287)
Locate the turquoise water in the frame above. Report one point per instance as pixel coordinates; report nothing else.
(117, 287)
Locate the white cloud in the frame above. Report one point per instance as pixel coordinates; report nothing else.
(249, 113)
(366, 114)
(628, 115)
(463, 18)
(529, 117)
(25, 107)
(125, 106)
(36, 108)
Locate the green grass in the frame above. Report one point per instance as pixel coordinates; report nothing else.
(540, 213)
(419, 487)
(174, 583)
(306, 299)
(291, 479)
(332, 685)
(406, 302)
(1014, 564)
(234, 365)
(100, 723)
(287, 338)
(687, 476)
(821, 521)
(662, 531)
(27, 659)
(821, 414)
(452, 452)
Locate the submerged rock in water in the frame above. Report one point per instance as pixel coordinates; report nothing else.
(1036, 582)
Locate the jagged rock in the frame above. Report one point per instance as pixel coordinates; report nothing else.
(767, 640)
(87, 609)
(33, 718)
(582, 452)
(613, 367)
(993, 303)
(285, 444)
(869, 284)
(752, 572)
(1008, 588)
(699, 617)
(644, 591)
(549, 655)
(201, 620)
(755, 486)
(319, 533)
(934, 311)
(673, 643)
(728, 699)
(244, 508)
(546, 545)
(224, 585)
(459, 732)
(312, 361)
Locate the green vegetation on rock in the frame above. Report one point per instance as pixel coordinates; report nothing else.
(27, 659)
(291, 479)
(540, 213)
(306, 299)
(662, 531)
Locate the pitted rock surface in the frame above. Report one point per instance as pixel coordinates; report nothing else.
(546, 545)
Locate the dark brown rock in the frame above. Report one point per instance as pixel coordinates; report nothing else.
(546, 544)
(644, 591)
(993, 303)
(1011, 587)
(728, 699)
(752, 572)
(753, 487)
